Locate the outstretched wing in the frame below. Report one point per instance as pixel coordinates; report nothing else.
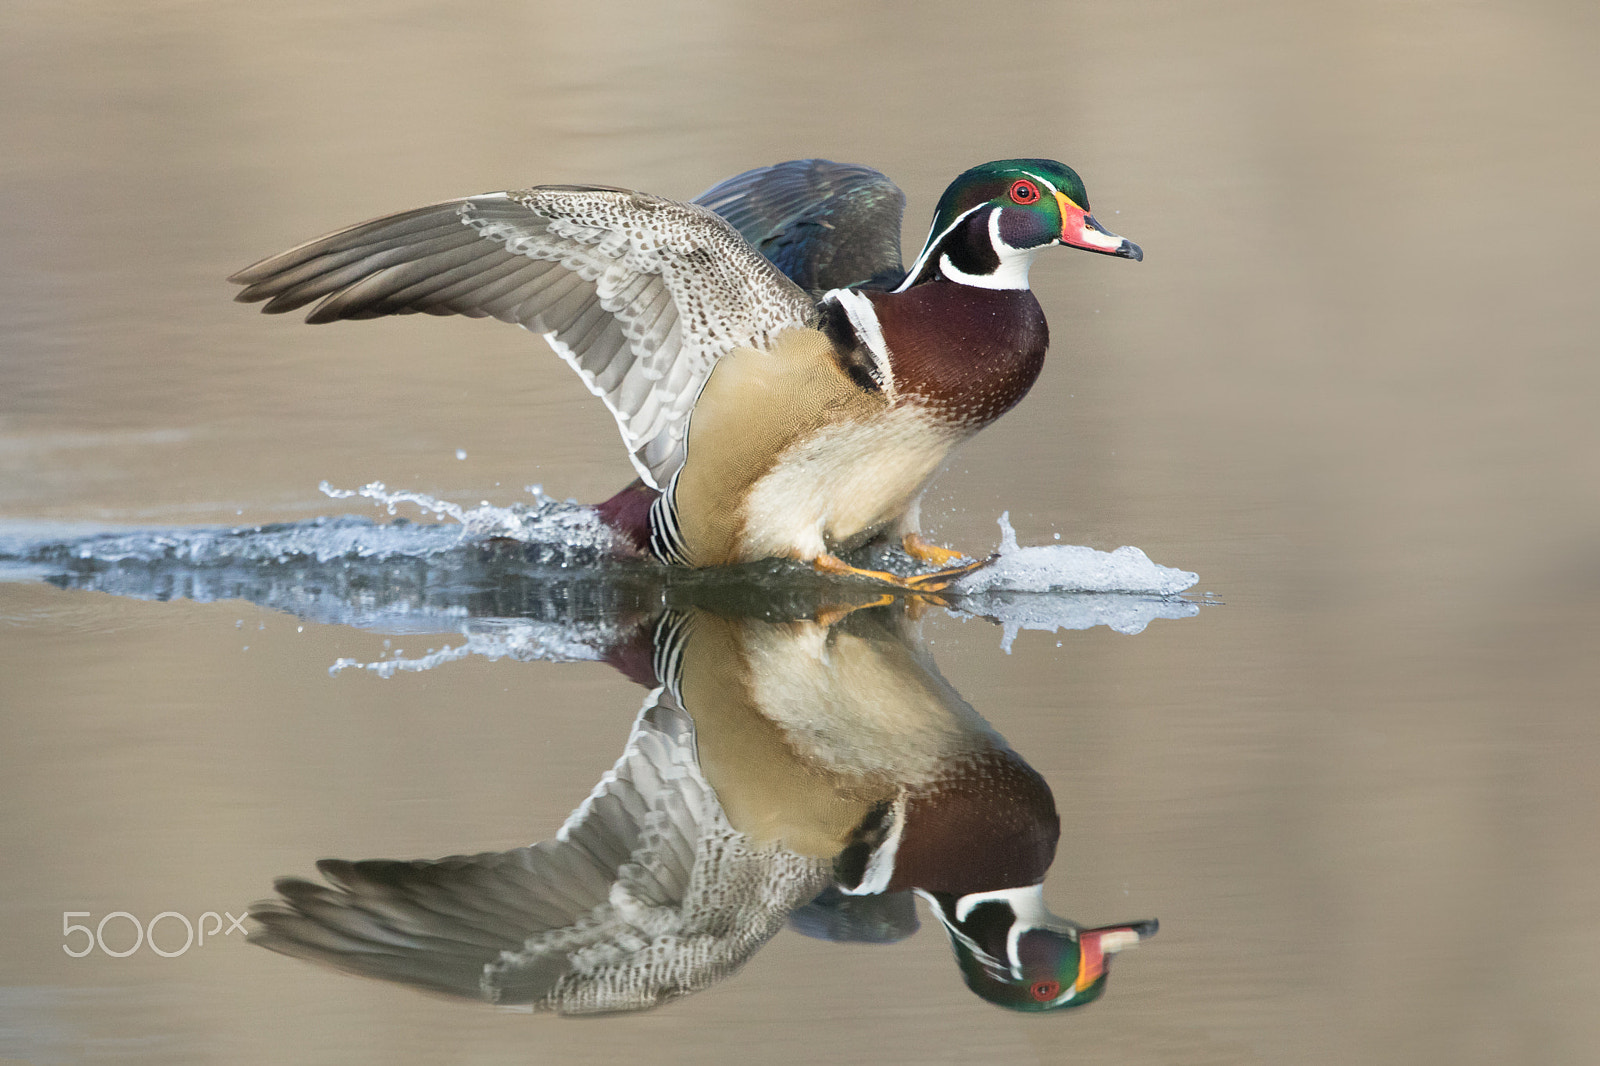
(645, 894)
(826, 225)
(639, 294)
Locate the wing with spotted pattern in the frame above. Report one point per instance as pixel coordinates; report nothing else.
(641, 295)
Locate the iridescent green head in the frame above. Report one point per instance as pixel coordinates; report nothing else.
(993, 219)
(1030, 184)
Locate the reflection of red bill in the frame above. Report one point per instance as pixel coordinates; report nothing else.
(1080, 230)
(1095, 945)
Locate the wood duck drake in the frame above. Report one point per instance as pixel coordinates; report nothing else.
(802, 771)
(792, 401)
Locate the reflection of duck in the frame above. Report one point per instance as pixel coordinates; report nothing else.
(816, 422)
(776, 764)
(846, 742)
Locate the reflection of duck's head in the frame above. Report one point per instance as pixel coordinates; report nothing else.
(1016, 954)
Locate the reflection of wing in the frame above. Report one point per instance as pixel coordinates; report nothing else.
(880, 919)
(826, 225)
(645, 894)
(640, 295)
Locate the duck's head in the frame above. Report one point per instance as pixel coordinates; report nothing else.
(1016, 954)
(994, 218)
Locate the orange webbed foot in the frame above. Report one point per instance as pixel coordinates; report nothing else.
(928, 553)
(935, 581)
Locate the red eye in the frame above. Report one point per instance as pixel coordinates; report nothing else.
(1042, 990)
(1024, 191)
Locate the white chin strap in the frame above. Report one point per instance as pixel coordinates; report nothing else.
(1012, 273)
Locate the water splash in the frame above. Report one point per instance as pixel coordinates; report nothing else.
(1070, 568)
(545, 521)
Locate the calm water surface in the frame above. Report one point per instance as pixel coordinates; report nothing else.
(1352, 386)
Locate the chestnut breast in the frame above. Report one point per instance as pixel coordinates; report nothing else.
(967, 354)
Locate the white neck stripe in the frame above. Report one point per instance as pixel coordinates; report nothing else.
(1012, 273)
(927, 249)
(864, 319)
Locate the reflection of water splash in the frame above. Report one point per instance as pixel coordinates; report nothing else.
(578, 640)
(507, 638)
(1051, 612)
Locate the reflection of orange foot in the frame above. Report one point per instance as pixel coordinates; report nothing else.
(934, 582)
(928, 553)
(829, 615)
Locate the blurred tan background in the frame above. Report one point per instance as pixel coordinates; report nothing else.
(1352, 385)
